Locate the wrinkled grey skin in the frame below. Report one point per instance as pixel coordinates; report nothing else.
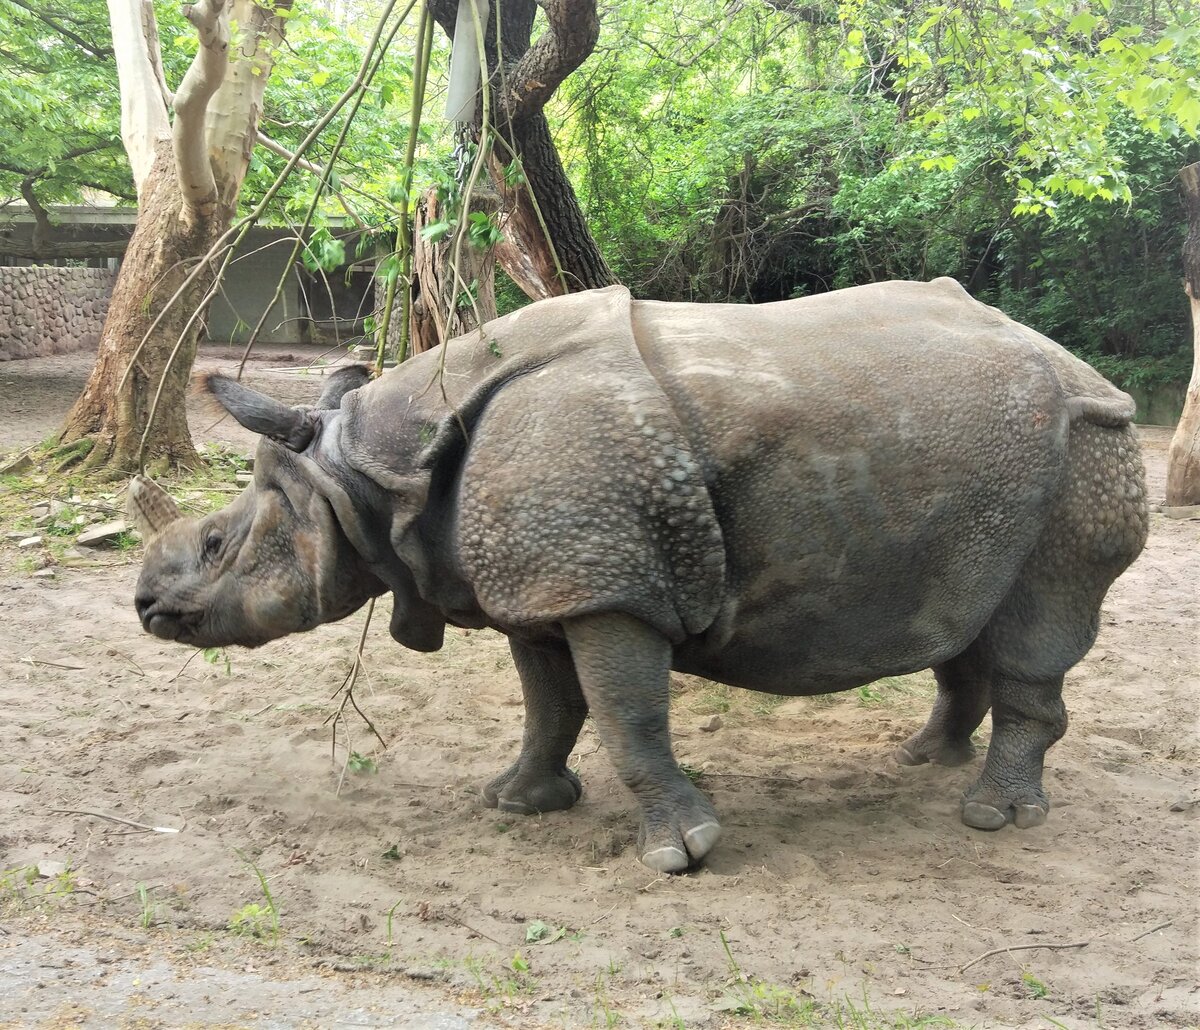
(795, 498)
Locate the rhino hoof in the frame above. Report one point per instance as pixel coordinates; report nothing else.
(916, 751)
(983, 816)
(524, 794)
(1026, 816)
(668, 859)
(906, 757)
(697, 842)
(1022, 814)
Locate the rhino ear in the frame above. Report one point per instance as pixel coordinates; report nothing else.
(341, 383)
(261, 414)
(150, 507)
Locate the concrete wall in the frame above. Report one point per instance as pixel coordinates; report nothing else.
(1160, 406)
(48, 310)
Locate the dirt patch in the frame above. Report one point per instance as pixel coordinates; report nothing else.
(842, 880)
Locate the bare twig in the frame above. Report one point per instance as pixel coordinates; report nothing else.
(467, 926)
(1022, 947)
(115, 819)
(347, 692)
(1153, 929)
(52, 665)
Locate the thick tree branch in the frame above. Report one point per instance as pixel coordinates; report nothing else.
(41, 218)
(231, 121)
(531, 76)
(144, 119)
(200, 84)
(101, 52)
(570, 36)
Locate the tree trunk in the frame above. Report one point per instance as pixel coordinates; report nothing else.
(158, 259)
(1183, 457)
(530, 72)
(526, 255)
(434, 287)
(188, 175)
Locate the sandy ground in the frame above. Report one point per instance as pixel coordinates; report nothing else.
(843, 883)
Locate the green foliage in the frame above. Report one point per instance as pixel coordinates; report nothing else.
(257, 919)
(362, 764)
(748, 154)
(59, 107)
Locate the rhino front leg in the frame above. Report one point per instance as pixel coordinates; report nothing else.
(624, 668)
(539, 780)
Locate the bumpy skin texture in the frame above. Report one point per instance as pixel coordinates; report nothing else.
(796, 498)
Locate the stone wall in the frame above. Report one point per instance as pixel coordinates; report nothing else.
(48, 310)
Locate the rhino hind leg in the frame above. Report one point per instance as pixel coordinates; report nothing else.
(1027, 718)
(1050, 618)
(624, 668)
(539, 781)
(963, 698)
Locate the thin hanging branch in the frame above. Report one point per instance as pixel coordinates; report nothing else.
(200, 84)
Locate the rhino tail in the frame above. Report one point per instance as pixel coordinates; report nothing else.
(1112, 411)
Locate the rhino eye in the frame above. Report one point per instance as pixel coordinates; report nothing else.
(212, 544)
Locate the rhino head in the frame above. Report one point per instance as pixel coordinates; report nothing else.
(275, 561)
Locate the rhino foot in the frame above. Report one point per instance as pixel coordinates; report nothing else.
(989, 810)
(526, 793)
(675, 838)
(919, 749)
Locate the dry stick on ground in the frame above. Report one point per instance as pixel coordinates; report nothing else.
(116, 819)
(1153, 929)
(1022, 947)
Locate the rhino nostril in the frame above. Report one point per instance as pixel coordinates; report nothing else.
(143, 603)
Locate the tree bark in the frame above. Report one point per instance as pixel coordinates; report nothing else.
(523, 78)
(159, 257)
(188, 176)
(434, 288)
(1183, 457)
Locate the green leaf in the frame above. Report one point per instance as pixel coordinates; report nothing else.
(1083, 23)
(435, 231)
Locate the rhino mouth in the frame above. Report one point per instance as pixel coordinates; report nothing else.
(167, 625)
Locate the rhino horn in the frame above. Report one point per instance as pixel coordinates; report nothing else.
(151, 508)
(261, 414)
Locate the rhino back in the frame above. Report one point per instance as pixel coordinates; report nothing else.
(881, 460)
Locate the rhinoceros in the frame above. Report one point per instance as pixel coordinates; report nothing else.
(798, 498)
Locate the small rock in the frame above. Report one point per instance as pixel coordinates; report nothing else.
(1183, 511)
(104, 533)
(48, 867)
(15, 534)
(711, 724)
(58, 507)
(44, 574)
(29, 541)
(21, 463)
(1182, 804)
(244, 477)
